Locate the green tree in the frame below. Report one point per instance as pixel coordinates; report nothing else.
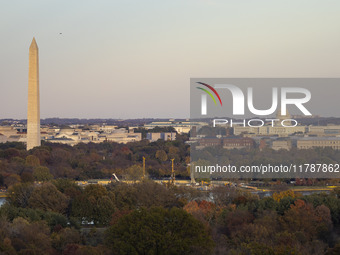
(19, 194)
(145, 195)
(134, 172)
(161, 155)
(158, 231)
(174, 153)
(48, 198)
(94, 204)
(334, 251)
(32, 161)
(42, 173)
(68, 187)
(27, 177)
(12, 179)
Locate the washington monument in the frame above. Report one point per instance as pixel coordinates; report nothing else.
(33, 107)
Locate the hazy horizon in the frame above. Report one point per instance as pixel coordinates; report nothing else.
(134, 59)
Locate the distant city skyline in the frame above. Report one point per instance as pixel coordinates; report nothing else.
(134, 59)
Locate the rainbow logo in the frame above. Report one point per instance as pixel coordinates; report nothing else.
(209, 93)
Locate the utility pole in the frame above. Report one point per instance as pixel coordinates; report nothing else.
(143, 168)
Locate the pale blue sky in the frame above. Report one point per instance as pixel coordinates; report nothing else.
(134, 58)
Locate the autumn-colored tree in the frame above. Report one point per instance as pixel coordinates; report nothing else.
(65, 236)
(43, 153)
(233, 220)
(203, 210)
(30, 238)
(71, 249)
(288, 193)
(6, 246)
(302, 217)
(90, 250)
(125, 150)
(191, 207)
(119, 214)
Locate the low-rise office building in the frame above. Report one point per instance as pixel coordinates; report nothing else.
(166, 136)
(321, 142)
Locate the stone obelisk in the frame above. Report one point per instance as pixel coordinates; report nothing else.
(33, 107)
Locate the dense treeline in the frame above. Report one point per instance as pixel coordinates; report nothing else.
(76, 121)
(59, 217)
(48, 213)
(92, 161)
(283, 224)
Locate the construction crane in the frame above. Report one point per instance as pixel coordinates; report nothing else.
(172, 181)
(143, 177)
